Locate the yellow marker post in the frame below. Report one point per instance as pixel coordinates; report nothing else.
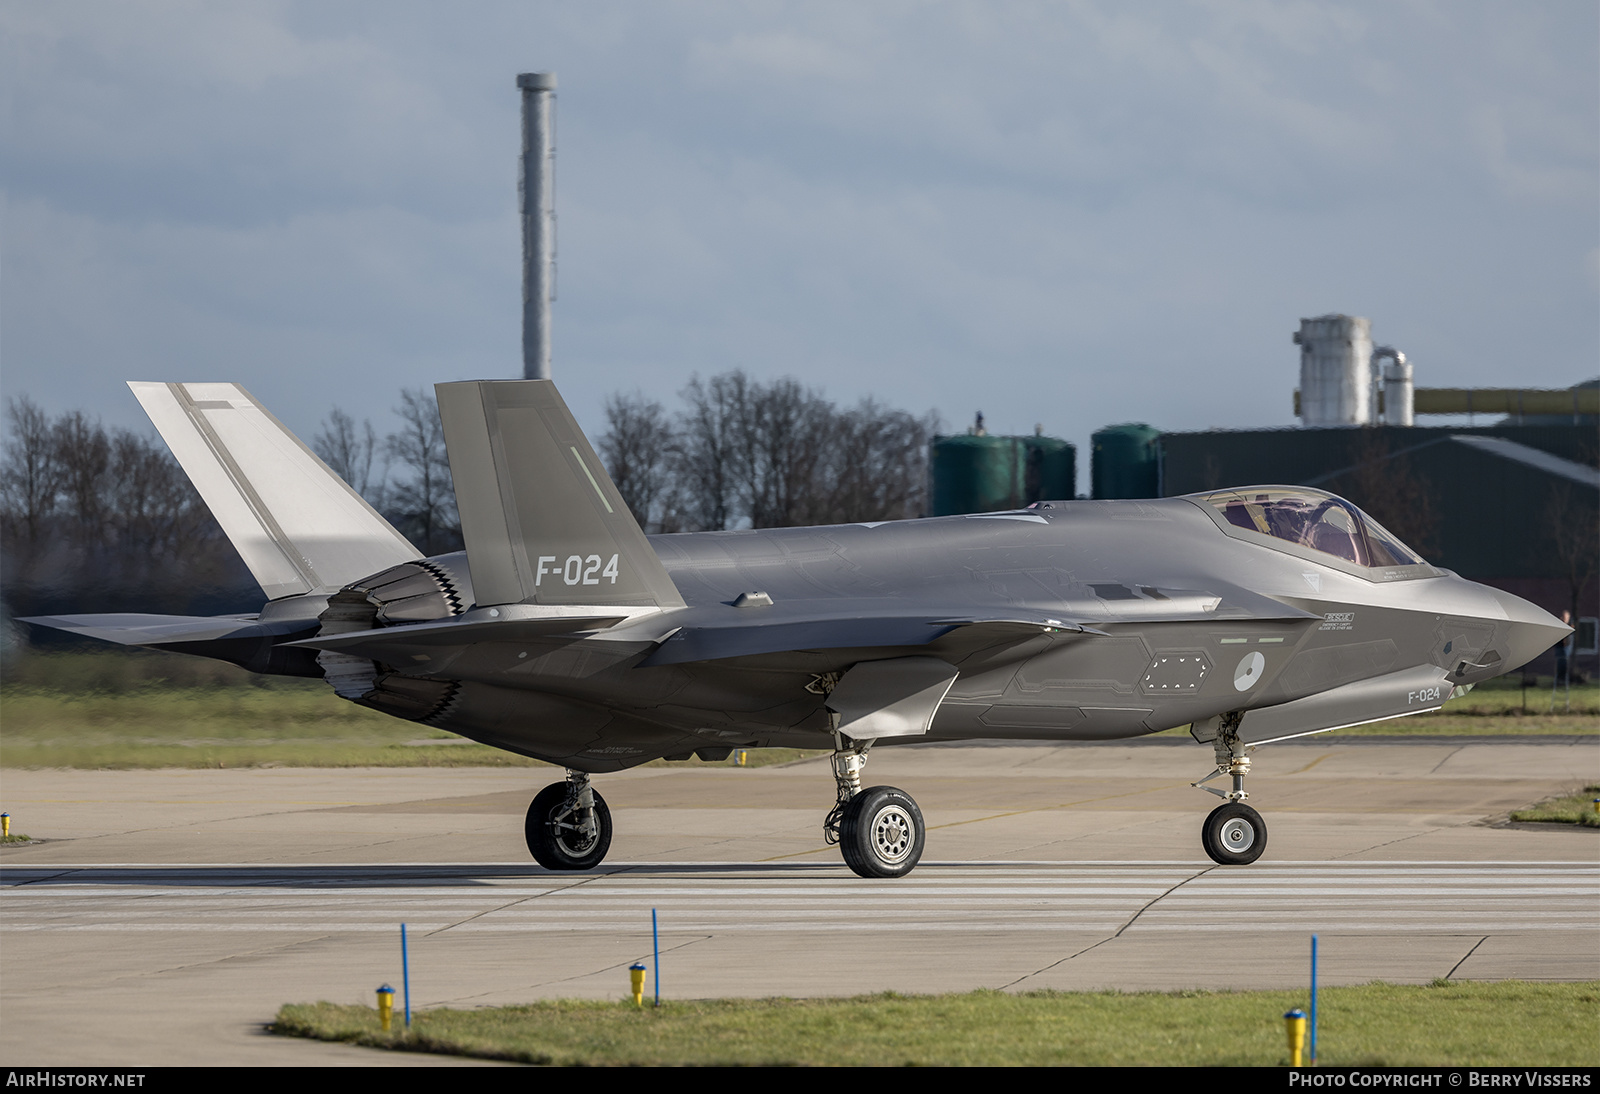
(5, 824)
(636, 978)
(385, 1006)
(1295, 1023)
(740, 755)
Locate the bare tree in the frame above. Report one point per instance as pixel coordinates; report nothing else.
(154, 512)
(784, 441)
(350, 452)
(31, 477)
(744, 453)
(97, 519)
(1574, 540)
(707, 457)
(879, 469)
(423, 500)
(83, 455)
(636, 449)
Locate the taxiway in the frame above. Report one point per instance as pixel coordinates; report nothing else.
(168, 913)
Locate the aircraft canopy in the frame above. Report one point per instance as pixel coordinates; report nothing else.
(1314, 519)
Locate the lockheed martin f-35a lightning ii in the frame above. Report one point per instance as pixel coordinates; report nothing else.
(563, 632)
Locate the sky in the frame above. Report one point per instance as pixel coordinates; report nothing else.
(1068, 214)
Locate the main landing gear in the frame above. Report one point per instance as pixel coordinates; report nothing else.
(1234, 834)
(569, 826)
(879, 829)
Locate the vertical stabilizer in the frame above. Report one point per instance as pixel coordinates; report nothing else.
(298, 526)
(542, 521)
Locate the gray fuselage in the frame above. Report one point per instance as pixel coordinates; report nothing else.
(1070, 620)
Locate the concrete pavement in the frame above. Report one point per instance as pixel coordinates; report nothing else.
(1062, 866)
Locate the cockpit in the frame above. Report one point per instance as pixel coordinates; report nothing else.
(1310, 519)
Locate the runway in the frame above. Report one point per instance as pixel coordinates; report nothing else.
(171, 912)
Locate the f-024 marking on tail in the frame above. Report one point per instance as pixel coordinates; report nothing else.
(527, 481)
(577, 570)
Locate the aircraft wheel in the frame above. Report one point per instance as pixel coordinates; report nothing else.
(1234, 835)
(555, 837)
(881, 833)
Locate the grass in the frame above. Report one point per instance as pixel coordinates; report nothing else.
(1504, 697)
(137, 709)
(142, 709)
(1447, 1023)
(1576, 808)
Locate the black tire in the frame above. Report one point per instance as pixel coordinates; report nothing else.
(551, 838)
(1234, 835)
(882, 833)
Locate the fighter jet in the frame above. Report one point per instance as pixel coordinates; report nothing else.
(564, 633)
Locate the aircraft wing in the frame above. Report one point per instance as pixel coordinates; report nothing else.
(722, 640)
(716, 634)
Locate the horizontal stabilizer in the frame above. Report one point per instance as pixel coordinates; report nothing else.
(298, 526)
(396, 643)
(542, 521)
(128, 629)
(248, 641)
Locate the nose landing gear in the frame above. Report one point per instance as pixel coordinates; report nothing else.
(1234, 834)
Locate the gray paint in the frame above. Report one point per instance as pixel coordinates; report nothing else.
(298, 527)
(542, 521)
(897, 697)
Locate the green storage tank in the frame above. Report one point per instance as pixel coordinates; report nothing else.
(976, 473)
(1050, 470)
(1124, 461)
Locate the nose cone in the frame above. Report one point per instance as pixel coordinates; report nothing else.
(1533, 630)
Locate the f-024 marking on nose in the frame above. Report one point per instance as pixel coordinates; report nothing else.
(577, 570)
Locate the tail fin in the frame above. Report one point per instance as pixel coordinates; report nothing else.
(296, 524)
(543, 522)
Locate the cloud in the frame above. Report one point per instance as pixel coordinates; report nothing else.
(1077, 212)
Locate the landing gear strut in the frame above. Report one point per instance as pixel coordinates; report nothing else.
(569, 826)
(879, 830)
(1233, 834)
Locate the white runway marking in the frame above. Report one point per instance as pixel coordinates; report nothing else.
(944, 898)
(1390, 897)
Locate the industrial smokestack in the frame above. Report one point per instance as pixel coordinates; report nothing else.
(536, 189)
(1399, 395)
(1335, 371)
